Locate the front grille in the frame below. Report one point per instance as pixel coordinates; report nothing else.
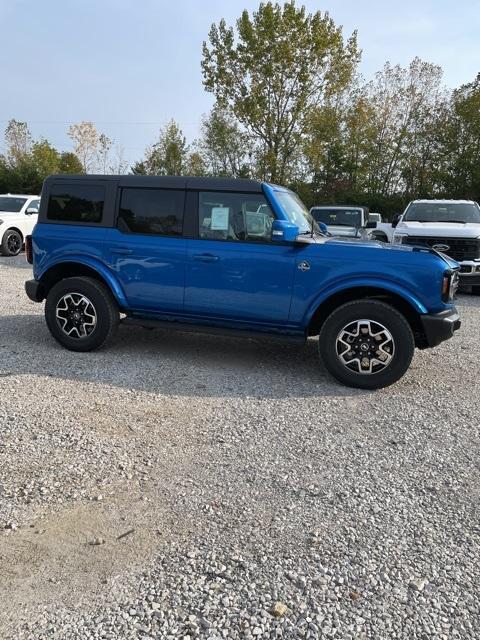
(459, 248)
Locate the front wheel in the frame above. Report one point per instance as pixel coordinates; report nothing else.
(366, 344)
(81, 313)
(12, 243)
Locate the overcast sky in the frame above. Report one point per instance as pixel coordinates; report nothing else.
(131, 65)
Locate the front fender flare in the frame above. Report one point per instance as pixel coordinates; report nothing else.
(357, 283)
(96, 266)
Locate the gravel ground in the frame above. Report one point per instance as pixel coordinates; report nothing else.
(184, 486)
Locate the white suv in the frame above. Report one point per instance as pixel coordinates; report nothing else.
(18, 216)
(449, 226)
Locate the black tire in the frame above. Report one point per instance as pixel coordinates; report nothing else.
(401, 347)
(105, 310)
(12, 243)
(476, 290)
(380, 237)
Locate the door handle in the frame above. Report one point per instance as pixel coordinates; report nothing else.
(205, 257)
(124, 251)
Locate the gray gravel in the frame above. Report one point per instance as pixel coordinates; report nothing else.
(179, 486)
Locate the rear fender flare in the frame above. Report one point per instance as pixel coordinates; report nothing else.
(98, 267)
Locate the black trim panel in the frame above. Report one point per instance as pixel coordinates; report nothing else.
(189, 327)
(34, 290)
(440, 326)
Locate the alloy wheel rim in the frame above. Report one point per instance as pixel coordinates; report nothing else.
(365, 347)
(76, 316)
(13, 243)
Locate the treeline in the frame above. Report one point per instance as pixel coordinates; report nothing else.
(290, 107)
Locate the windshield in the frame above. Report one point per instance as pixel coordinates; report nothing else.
(11, 204)
(342, 217)
(442, 212)
(296, 211)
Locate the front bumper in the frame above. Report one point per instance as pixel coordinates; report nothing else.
(469, 272)
(440, 326)
(34, 290)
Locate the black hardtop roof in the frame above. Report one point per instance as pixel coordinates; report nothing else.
(166, 182)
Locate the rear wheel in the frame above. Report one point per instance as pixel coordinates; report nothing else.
(366, 344)
(11, 243)
(81, 313)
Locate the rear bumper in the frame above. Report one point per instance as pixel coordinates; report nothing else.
(440, 326)
(34, 290)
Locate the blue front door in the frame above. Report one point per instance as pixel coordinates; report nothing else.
(233, 269)
(239, 281)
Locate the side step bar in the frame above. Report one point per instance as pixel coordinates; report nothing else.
(188, 327)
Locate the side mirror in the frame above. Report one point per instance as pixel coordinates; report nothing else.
(31, 211)
(396, 219)
(323, 227)
(284, 231)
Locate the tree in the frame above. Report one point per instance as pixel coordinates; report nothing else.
(18, 140)
(69, 163)
(168, 156)
(104, 146)
(45, 158)
(458, 134)
(403, 102)
(195, 164)
(118, 165)
(271, 71)
(223, 143)
(86, 141)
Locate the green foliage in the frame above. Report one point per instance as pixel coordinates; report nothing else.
(168, 156)
(195, 165)
(223, 144)
(272, 70)
(26, 164)
(69, 163)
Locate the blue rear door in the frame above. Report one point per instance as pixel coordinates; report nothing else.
(146, 250)
(233, 269)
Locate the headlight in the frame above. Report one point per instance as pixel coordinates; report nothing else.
(449, 285)
(398, 238)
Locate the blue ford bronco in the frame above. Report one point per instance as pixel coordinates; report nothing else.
(232, 256)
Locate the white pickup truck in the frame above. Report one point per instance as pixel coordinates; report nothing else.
(18, 216)
(343, 220)
(448, 226)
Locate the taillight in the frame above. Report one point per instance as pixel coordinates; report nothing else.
(28, 249)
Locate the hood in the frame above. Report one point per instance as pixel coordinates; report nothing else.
(375, 245)
(447, 229)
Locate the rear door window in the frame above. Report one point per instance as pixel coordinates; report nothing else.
(76, 203)
(152, 211)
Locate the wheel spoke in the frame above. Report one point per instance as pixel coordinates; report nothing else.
(76, 315)
(365, 346)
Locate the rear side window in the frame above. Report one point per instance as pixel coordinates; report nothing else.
(76, 203)
(151, 211)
